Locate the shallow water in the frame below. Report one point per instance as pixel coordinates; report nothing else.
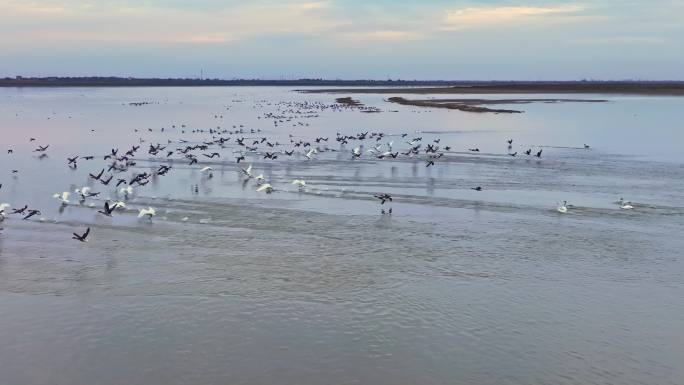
(316, 286)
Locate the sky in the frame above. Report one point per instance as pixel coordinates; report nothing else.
(345, 39)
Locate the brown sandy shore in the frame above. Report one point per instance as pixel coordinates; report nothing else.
(353, 103)
(639, 88)
(476, 105)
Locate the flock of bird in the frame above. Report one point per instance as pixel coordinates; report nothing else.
(121, 177)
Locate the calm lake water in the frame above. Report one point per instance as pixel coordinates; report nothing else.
(316, 286)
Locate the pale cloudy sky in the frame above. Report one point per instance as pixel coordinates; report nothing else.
(430, 39)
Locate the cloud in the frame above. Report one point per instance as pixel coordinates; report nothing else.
(472, 17)
(147, 22)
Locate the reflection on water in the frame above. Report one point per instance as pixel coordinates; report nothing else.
(228, 285)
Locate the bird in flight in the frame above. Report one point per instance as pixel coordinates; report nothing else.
(82, 237)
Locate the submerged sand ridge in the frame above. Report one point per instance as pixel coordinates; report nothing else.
(476, 105)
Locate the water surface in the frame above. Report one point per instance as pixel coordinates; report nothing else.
(317, 286)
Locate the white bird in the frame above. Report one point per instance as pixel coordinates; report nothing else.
(260, 178)
(299, 182)
(126, 191)
(3, 207)
(209, 171)
(389, 145)
(63, 197)
(356, 152)
(148, 212)
(84, 192)
(265, 187)
(563, 207)
(311, 153)
(247, 171)
(625, 205)
(120, 205)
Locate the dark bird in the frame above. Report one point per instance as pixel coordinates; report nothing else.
(538, 155)
(19, 211)
(108, 209)
(478, 188)
(383, 198)
(81, 238)
(31, 213)
(98, 176)
(528, 152)
(106, 182)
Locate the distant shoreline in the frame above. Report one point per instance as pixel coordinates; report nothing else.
(95, 81)
(372, 86)
(634, 88)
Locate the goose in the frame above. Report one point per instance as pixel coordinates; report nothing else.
(563, 207)
(108, 210)
(383, 197)
(31, 213)
(265, 187)
(148, 212)
(63, 197)
(82, 237)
